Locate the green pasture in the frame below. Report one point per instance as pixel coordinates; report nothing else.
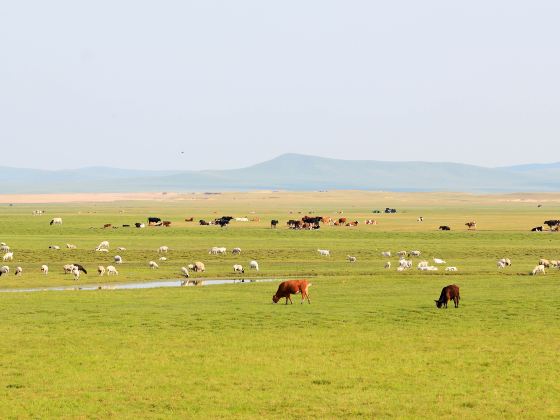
(371, 344)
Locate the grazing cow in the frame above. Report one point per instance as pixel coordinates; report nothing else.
(153, 265)
(8, 256)
(56, 221)
(324, 252)
(166, 223)
(352, 224)
(342, 221)
(471, 225)
(273, 223)
(254, 265)
(237, 268)
(552, 224)
(154, 221)
(125, 226)
(448, 293)
(444, 227)
(44, 269)
(190, 219)
(292, 287)
(100, 270)
(199, 267)
(351, 258)
(111, 270)
(371, 222)
(539, 269)
(107, 225)
(203, 223)
(18, 271)
(537, 229)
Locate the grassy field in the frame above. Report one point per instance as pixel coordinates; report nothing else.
(371, 344)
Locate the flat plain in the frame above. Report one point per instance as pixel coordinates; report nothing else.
(371, 344)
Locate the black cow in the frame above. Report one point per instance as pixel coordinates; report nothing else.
(552, 223)
(444, 228)
(537, 229)
(273, 224)
(448, 293)
(154, 221)
(203, 222)
(222, 222)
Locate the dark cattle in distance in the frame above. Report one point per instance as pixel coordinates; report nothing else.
(203, 222)
(444, 228)
(107, 225)
(273, 224)
(166, 223)
(537, 229)
(125, 226)
(154, 221)
(190, 219)
(552, 224)
(448, 293)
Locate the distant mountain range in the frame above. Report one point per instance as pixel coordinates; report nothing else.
(292, 172)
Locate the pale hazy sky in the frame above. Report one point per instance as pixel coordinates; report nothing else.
(133, 83)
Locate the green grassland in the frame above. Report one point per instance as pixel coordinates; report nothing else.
(371, 344)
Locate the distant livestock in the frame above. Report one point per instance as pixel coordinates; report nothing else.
(237, 268)
(351, 258)
(273, 224)
(324, 252)
(444, 227)
(537, 229)
(112, 271)
(154, 221)
(18, 271)
(471, 225)
(292, 287)
(539, 269)
(199, 267)
(100, 270)
(8, 256)
(386, 253)
(254, 265)
(153, 265)
(448, 293)
(163, 248)
(44, 269)
(56, 221)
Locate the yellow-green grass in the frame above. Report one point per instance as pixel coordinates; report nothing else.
(371, 344)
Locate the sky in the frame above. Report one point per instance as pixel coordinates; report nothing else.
(226, 84)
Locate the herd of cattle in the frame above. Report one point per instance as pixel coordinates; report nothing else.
(286, 288)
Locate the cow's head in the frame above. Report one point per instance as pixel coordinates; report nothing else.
(438, 303)
(275, 298)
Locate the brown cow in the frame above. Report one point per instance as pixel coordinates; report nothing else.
(166, 223)
(342, 220)
(190, 219)
(292, 287)
(471, 225)
(448, 293)
(107, 225)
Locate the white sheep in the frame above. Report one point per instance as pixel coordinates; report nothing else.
(386, 254)
(4, 269)
(539, 269)
(76, 273)
(439, 261)
(237, 268)
(324, 252)
(422, 264)
(8, 256)
(254, 265)
(68, 268)
(111, 270)
(4, 248)
(163, 248)
(185, 272)
(351, 258)
(71, 246)
(121, 248)
(236, 251)
(388, 265)
(18, 271)
(153, 265)
(163, 258)
(100, 270)
(401, 254)
(118, 259)
(414, 253)
(55, 247)
(451, 268)
(45, 269)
